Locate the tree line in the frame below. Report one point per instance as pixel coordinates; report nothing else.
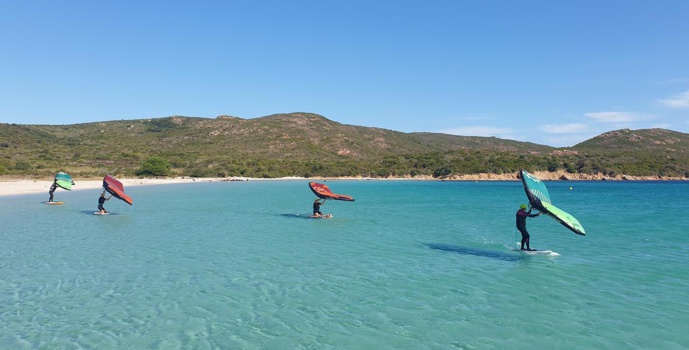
(437, 165)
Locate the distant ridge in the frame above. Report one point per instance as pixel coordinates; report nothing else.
(646, 139)
(307, 144)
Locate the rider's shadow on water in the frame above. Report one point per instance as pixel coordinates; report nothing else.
(473, 251)
(296, 216)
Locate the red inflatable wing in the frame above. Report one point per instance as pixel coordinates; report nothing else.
(115, 187)
(322, 191)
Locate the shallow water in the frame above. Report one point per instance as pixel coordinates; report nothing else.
(409, 265)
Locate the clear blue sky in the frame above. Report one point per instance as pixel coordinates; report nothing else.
(549, 72)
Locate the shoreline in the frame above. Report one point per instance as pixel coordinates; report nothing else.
(24, 185)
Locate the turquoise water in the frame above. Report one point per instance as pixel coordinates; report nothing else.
(409, 265)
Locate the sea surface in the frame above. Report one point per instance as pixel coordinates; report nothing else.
(408, 265)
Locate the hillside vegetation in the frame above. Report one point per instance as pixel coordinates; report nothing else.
(310, 145)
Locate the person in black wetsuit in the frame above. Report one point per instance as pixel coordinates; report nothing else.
(317, 207)
(522, 214)
(52, 190)
(101, 201)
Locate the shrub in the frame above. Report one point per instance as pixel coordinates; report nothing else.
(154, 166)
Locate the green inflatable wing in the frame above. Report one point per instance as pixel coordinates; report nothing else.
(64, 180)
(539, 198)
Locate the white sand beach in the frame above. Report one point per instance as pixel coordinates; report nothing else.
(18, 186)
(14, 187)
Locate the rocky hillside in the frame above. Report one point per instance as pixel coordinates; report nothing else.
(633, 140)
(305, 144)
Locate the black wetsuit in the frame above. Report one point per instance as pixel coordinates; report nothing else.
(317, 208)
(52, 190)
(101, 201)
(521, 226)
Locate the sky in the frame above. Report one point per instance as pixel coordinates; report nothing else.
(550, 72)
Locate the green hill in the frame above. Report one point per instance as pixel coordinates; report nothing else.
(304, 144)
(661, 140)
(644, 152)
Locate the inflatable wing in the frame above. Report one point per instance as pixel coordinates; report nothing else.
(539, 198)
(115, 187)
(63, 180)
(322, 191)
